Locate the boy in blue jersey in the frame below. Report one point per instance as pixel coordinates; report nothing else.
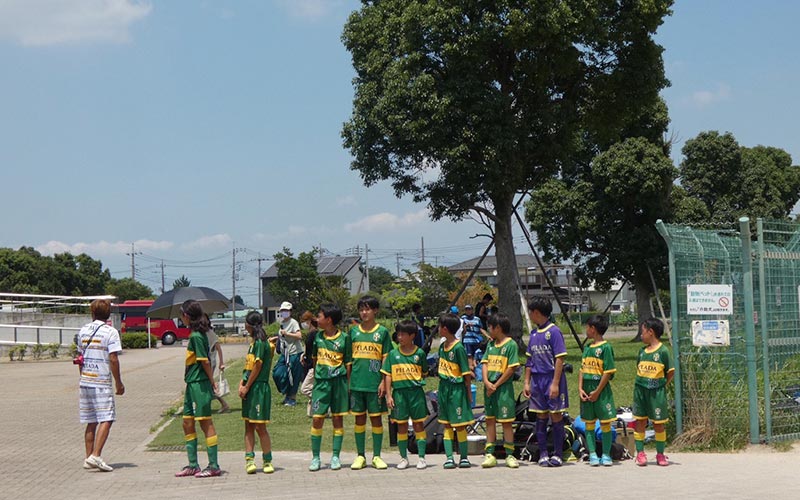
(545, 381)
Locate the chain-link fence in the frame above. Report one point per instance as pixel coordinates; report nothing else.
(735, 312)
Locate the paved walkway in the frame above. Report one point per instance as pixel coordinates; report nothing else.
(42, 453)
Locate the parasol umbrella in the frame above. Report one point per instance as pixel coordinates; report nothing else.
(168, 305)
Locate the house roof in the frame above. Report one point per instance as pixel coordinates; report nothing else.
(326, 266)
(490, 263)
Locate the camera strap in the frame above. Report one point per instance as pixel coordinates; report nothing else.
(90, 341)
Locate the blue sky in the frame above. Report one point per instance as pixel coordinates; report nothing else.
(193, 127)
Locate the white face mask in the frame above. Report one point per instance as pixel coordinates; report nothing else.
(304, 325)
(285, 314)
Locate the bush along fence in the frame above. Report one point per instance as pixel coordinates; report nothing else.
(735, 332)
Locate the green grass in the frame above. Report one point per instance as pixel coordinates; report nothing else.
(289, 427)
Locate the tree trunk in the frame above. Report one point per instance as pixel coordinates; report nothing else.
(644, 308)
(507, 274)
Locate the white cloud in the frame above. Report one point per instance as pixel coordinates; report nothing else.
(102, 247)
(214, 240)
(385, 221)
(53, 22)
(309, 9)
(703, 98)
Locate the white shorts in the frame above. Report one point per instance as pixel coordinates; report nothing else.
(97, 405)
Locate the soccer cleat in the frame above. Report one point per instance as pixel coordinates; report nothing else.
(98, 463)
(290, 403)
(336, 464)
(449, 464)
(209, 472)
(641, 459)
(268, 468)
(403, 464)
(544, 461)
(314, 465)
(606, 461)
(188, 471)
(464, 463)
(250, 467)
(422, 464)
(555, 461)
(511, 462)
(661, 459)
(489, 461)
(359, 463)
(378, 463)
(594, 460)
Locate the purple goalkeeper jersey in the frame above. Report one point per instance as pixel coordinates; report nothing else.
(545, 345)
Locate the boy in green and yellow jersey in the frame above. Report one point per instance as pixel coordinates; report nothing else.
(332, 356)
(597, 400)
(498, 365)
(371, 344)
(654, 370)
(455, 396)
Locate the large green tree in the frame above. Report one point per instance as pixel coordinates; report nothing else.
(721, 181)
(181, 282)
(379, 278)
(27, 271)
(465, 104)
(299, 282)
(603, 217)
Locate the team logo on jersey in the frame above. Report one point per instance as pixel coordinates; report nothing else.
(504, 410)
(547, 336)
(598, 352)
(416, 358)
(658, 412)
(451, 355)
(503, 351)
(656, 357)
(376, 336)
(336, 345)
(458, 411)
(608, 406)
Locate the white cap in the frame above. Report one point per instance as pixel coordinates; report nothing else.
(286, 306)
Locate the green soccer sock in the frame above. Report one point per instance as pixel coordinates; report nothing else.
(448, 442)
(463, 446)
(606, 437)
(377, 440)
(422, 443)
(211, 445)
(267, 457)
(638, 437)
(361, 439)
(249, 456)
(316, 442)
(509, 447)
(489, 450)
(338, 437)
(402, 445)
(661, 441)
(191, 449)
(591, 446)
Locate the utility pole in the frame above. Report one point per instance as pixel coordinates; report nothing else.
(422, 238)
(260, 306)
(398, 264)
(233, 298)
(366, 264)
(162, 275)
(133, 261)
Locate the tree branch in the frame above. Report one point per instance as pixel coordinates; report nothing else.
(483, 211)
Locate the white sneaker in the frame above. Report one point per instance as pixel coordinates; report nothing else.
(98, 463)
(403, 464)
(421, 464)
(87, 465)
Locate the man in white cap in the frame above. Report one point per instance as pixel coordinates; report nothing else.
(288, 371)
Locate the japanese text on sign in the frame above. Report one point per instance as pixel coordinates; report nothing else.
(709, 299)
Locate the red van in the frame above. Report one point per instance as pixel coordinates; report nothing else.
(130, 316)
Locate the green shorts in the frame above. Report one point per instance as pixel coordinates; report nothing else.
(369, 403)
(330, 394)
(502, 404)
(409, 403)
(197, 400)
(257, 404)
(650, 403)
(603, 408)
(454, 407)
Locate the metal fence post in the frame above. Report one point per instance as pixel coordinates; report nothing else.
(674, 331)
(749, 327)
(762, 291)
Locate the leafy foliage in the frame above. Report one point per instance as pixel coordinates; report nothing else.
(299, 282)
(137, 340)
(490, 99)
(722, 181)
(27, 271)
(400, 298)
(181, 282)
(379, 278)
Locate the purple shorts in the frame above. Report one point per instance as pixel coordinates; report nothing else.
(540, 394)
